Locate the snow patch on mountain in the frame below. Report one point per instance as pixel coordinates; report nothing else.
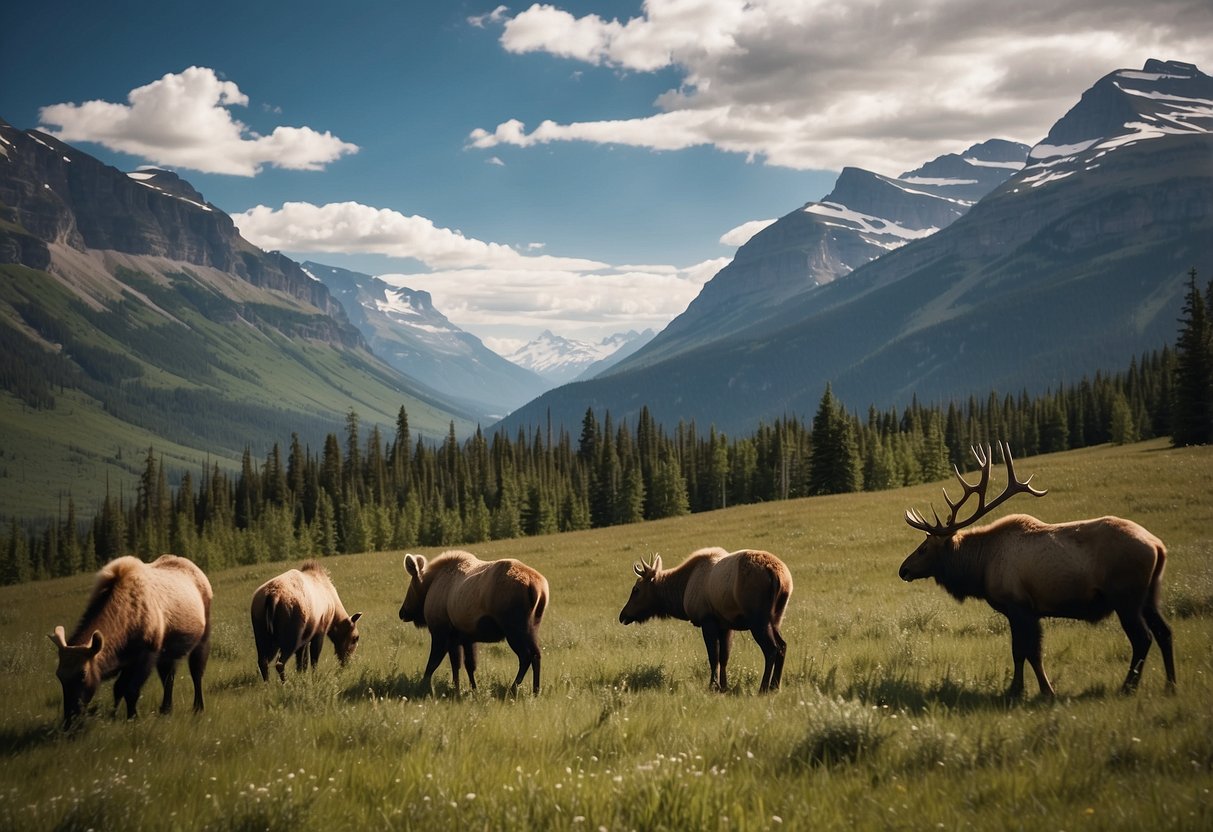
(560, 360)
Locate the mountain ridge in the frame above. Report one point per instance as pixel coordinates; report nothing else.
(1045, 279)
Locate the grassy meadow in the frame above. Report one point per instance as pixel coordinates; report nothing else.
(891, 715)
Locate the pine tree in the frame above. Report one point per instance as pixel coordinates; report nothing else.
(833, 462)
(1192, 408)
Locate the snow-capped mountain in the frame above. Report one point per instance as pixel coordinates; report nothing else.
(1165, 98)
(560, 360)
(1076, 264)
(865, 216)
(405, 330)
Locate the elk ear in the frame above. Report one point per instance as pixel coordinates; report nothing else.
(95, 645)
(414, 565)
(59, 639)
(354, 618)
(656, 564)
(638, 569)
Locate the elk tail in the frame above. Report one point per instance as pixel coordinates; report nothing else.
(540, 603)
(271, 609)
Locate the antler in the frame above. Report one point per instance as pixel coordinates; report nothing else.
(984, 459)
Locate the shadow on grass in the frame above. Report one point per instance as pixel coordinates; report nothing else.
(385, 686)
(917, 697)
(16, 741)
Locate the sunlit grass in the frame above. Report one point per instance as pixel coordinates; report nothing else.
(891, 715)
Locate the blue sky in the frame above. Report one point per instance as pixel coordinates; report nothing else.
(410, 138)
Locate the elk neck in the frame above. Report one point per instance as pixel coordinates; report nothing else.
(962, 569)
(671, 588)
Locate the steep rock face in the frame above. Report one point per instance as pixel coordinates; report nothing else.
(53, 193)
(865, 216)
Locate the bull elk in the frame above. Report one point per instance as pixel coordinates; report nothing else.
(1028, 570)
(140, 616)
(719, 592)
(463, 600)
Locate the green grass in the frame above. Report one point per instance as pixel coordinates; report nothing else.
(891, 715)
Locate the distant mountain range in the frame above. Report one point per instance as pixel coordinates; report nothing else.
(405, 330)
(560, 360)
(133, 314)
(1074, 264)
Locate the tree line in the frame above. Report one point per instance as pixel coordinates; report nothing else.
(361, 491)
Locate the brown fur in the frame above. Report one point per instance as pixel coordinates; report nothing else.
(1028, 570)
(720, 592)
(292, 614)
(140, 616)
(463, 600)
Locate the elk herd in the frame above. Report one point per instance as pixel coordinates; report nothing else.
(144, 616)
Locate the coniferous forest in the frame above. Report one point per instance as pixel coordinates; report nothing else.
(363, 491)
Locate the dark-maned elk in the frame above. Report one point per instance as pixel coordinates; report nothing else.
(463, 600)
(292, 614)
(719, 592)
(1028, 570)
(140, 616)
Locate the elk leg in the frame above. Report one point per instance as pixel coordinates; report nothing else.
(1026, 638)
(781, 652)
(711, 640)
(301, 658)
(1162, 634)
(770, 655)
(136, 675)
(1139, 637)
(316, 646)
(469, 661)
(167, 668)
(437, 651)
(526, 645)
(726, 646)
(455, 649)
(197, 662)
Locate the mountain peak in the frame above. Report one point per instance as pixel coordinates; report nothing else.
(1163, 98)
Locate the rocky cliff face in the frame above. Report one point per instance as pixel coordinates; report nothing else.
(52, 193)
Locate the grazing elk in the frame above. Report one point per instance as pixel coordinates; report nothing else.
(463, 600)
(1028, 570)
(140, 616)
(292, 614)
(719, 592)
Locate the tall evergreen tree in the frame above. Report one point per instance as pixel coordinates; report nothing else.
(1192, 409)
(833, 463)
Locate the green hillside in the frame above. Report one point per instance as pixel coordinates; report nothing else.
(891, 714)
(168, 359)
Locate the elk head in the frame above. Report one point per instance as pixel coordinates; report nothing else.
(925, 561)
(413, 608)
(77, 672)
(644, 602)
(344, 636)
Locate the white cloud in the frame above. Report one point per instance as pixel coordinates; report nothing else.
(494, 16)
(184, 120)
(818, 84)
(494, 160)
(503, 305)
(350, 227)
(741, 235)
